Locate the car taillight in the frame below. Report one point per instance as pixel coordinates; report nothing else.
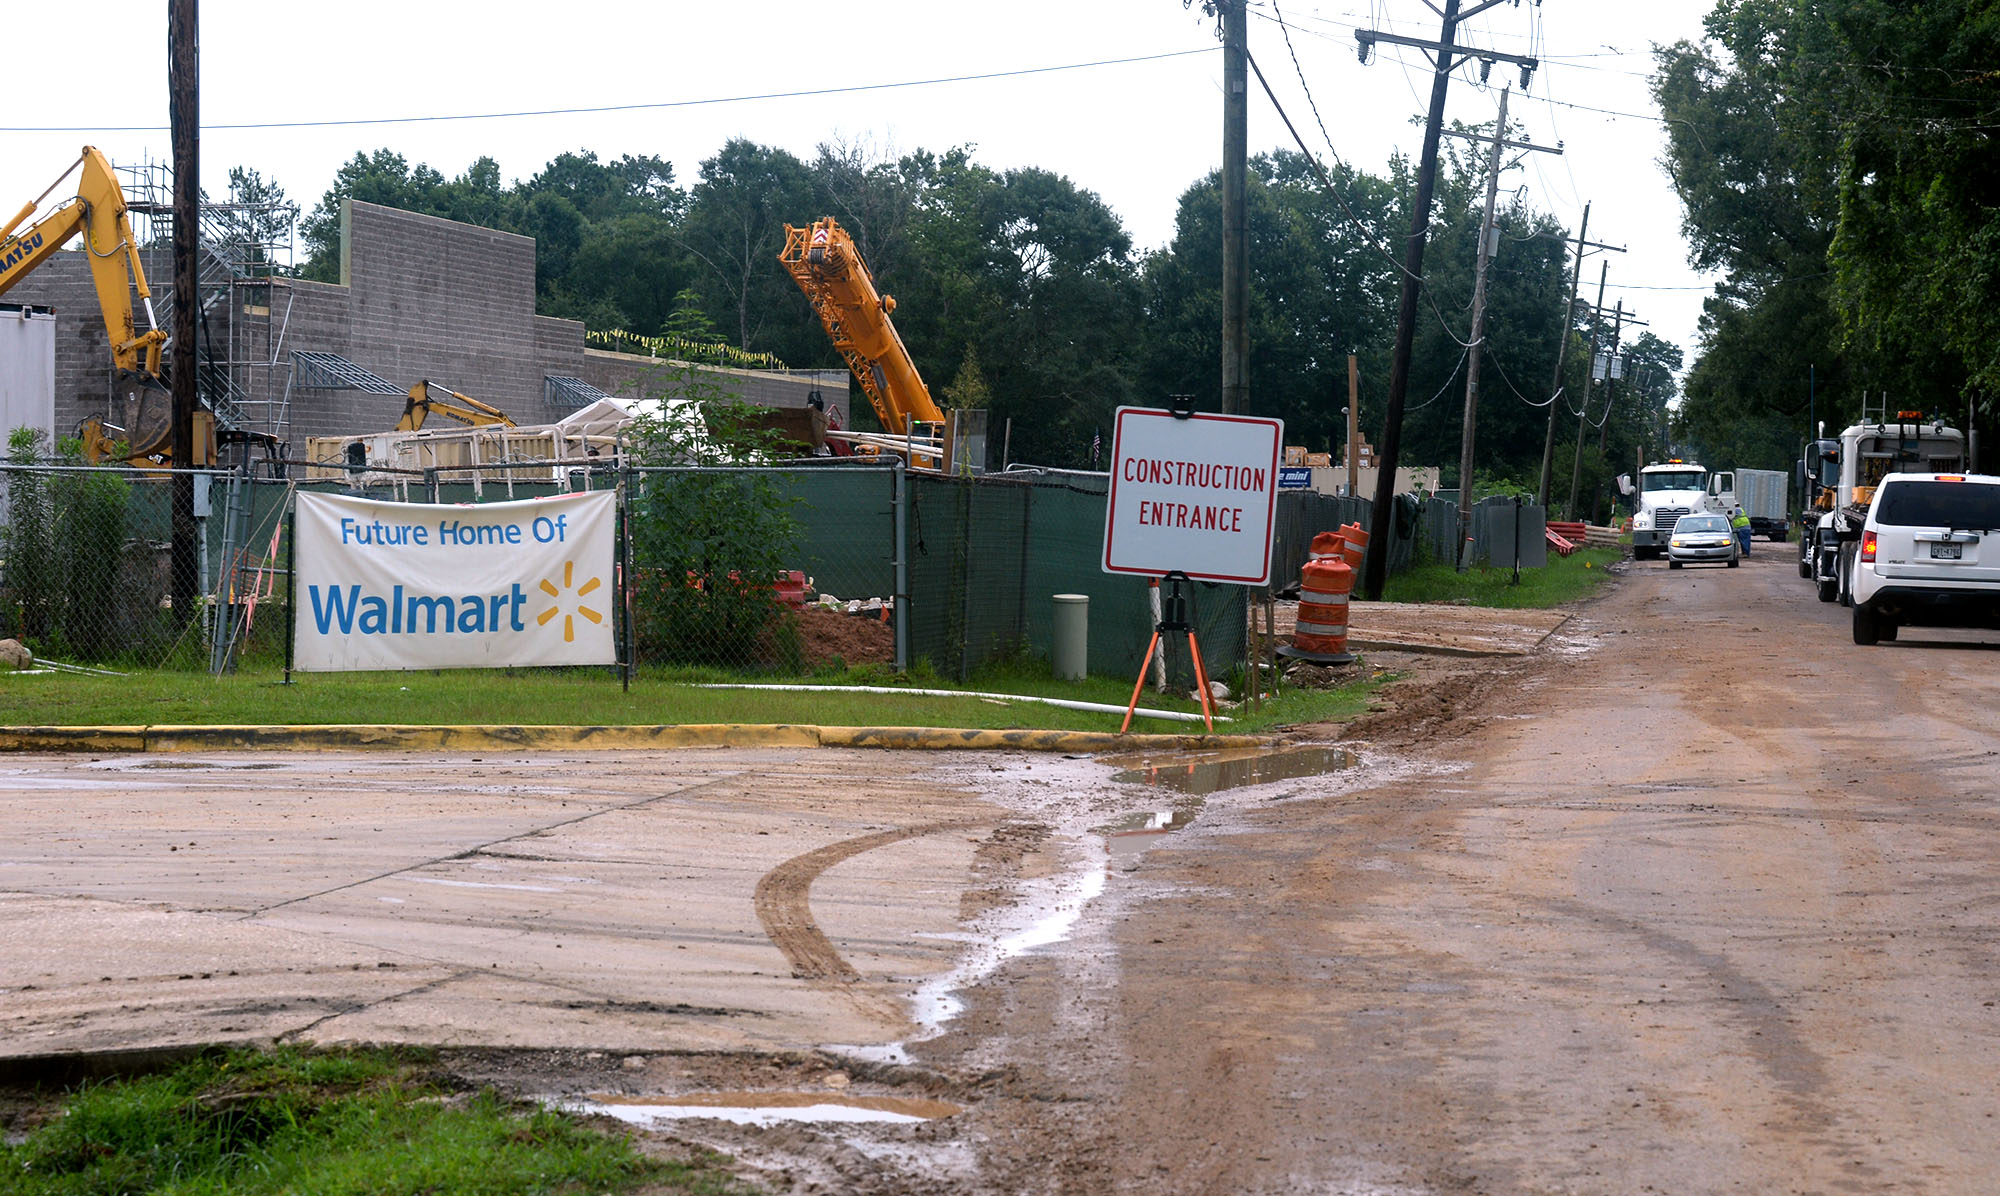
(1868, 546)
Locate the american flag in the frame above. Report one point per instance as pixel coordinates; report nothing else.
(1096, 443)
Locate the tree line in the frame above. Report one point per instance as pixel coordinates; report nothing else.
(1836, 162)
(1021, 291)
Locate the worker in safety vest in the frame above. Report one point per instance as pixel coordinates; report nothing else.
(1740, 524)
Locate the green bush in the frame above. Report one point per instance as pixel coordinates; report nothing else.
(707, 546)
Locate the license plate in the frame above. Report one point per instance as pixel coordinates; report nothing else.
(1947, 552)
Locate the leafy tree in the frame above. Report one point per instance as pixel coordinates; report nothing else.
(256, 219)
(1832, 159)
(735, 228)
(708, 544)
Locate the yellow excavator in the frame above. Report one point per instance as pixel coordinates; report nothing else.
(97, 211)
(425, 399)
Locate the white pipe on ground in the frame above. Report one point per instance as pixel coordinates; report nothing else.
(1065, 703)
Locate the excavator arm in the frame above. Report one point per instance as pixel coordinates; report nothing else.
(97, 210)
(463, 408)
(822, 259)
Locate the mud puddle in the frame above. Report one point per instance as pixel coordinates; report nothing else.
(765, 1108)
(1213, 773)
(1134, 833)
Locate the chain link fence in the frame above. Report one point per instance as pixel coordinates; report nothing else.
(785, 570)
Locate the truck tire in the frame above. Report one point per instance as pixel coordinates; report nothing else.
(1673, 564)
(1829, 589)
(1805, 565)
(1867, 630)
(1735, 561)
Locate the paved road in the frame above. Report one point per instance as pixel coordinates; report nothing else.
(705, 899)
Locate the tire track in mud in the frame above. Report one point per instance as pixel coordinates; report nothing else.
(784, 902)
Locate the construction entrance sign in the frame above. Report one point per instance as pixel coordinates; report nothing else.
(389, 585)
(1192, 494)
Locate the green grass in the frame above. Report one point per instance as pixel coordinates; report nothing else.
(332, 1124)
(591, 697)
(1562, 580)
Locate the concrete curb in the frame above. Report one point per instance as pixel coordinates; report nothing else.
(423, 738)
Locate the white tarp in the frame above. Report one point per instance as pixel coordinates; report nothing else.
(388, 585)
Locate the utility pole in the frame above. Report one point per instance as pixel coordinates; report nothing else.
(1235, 224)
(1488, 235)
(1576, 471)
(1562, 351)
(1353, 427)
(184, 93)
(1375, 570)
(1610, 399)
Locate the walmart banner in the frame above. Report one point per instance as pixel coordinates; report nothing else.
(388, 585)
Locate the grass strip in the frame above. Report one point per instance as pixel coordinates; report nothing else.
(593, 698)
(1562, 581)
(337, 1123)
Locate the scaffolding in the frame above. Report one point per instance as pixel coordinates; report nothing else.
(243, 244)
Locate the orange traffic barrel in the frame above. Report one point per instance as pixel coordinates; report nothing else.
(1321, 633)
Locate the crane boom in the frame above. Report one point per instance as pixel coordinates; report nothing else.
(822, 259)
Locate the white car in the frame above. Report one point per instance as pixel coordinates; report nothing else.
(1929, 555)
(1702, 539)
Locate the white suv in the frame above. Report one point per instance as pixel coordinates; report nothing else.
(1929, 555)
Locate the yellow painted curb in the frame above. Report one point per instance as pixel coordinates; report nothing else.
(338, 737)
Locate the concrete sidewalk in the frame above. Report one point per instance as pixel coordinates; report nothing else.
(721, 899)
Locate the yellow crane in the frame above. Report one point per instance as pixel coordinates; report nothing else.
(822, 259)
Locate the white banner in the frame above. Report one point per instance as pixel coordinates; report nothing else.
(389, 585)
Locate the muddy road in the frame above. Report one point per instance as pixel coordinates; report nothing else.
(1706, 906)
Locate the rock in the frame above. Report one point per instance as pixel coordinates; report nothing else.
(14, 656)
(1217, 691)
(633, 1063)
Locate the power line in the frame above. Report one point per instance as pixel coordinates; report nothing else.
(646, 107)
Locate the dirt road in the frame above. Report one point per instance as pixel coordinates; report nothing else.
(1708, 907)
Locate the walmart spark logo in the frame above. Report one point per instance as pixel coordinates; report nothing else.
(575, 596)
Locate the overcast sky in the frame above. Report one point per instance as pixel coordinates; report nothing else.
(1135, 132)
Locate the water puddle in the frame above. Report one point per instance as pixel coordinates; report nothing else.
(765, 1108)
(1134, 833)
(1216, 772)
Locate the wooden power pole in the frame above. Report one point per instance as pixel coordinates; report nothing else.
(184, 114)
(1562, 350)
(1375, 570)
(1235, 224)
(1488, 234)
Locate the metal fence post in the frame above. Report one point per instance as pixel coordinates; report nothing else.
(899, 499)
